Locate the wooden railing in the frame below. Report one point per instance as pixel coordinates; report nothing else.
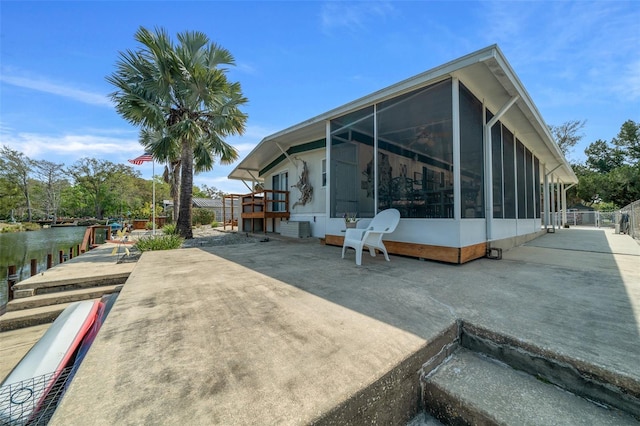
(257, 207)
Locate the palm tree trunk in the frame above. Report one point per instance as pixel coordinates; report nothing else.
(186, 191)
(175, 188)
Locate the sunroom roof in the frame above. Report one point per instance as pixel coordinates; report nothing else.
(485, 72)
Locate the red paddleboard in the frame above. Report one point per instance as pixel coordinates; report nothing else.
(24, 390)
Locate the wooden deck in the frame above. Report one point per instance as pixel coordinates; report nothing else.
(260, 207)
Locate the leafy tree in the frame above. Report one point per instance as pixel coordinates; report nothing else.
(51, 176)
(213, 192)
(611, 173)
(75, 201)
(628, 140)
(10, 198)
(602, 157)
(16, 168)
(102, 180)
(181, 89)
(566, 134)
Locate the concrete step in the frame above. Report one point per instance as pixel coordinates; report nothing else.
(30, 289)
(471, 388)
(61, 297)
(30, 317)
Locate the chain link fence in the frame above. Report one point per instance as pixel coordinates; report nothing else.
(628, 220)
(625, 221)
(594, 218)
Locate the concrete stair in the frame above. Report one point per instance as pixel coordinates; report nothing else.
(485, 378)
(61, 297)
(45, 308)
(472, 388)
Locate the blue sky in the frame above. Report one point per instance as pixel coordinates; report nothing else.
(295, 60)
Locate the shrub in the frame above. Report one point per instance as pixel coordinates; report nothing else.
(148, 225)
(170, 229)
(159, 242)
(30, 226)
(202, 216)
(215, 224)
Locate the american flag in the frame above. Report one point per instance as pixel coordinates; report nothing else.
(139, 160)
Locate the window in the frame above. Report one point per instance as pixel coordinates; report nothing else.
(508, 152)
(351, 164)
(496, 168)
(529, 181)
(521, 184)
(414, 161)
(324, 172)
(280, 182)
(415, 153)
(536, 185)
(471, 155)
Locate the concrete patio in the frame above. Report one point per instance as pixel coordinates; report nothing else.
(287, 332)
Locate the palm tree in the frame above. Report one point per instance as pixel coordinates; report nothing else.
(183, 92)
(165, 150)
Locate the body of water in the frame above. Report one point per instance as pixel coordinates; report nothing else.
(18, 248)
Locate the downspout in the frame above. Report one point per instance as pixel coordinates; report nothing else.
(488, 166)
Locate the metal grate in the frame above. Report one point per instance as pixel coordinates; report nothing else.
(33, 401)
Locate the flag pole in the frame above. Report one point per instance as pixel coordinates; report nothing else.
(153, 206)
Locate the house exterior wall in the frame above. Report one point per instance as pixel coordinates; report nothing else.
(433, 173)
(314, 211)
(423, 146)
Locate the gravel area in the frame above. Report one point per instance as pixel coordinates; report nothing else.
(203, 236)
(208, 236)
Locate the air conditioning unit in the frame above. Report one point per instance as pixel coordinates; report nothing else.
(295, 229)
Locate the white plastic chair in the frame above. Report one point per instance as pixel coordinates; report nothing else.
(385, 222)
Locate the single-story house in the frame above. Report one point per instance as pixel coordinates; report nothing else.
(460, 150)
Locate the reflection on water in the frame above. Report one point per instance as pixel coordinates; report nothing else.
(18, 248)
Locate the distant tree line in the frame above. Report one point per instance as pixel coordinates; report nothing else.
(43, 190)
(610, 176)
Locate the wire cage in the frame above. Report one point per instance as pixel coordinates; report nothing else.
(33, 401)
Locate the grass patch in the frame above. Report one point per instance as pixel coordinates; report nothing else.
(19, 227)
(159, 242)
(170, 229)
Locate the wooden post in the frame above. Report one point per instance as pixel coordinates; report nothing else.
(34, 266)
(60, 256)
(12, 279)
(49, 260)
(78, 250)
(70, 253)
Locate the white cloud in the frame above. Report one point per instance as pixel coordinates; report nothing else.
(629, 86)
(74, 146)
(581, 47)
(353, 16)
(43, 85)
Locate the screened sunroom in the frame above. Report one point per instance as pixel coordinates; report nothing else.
(460, 150)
